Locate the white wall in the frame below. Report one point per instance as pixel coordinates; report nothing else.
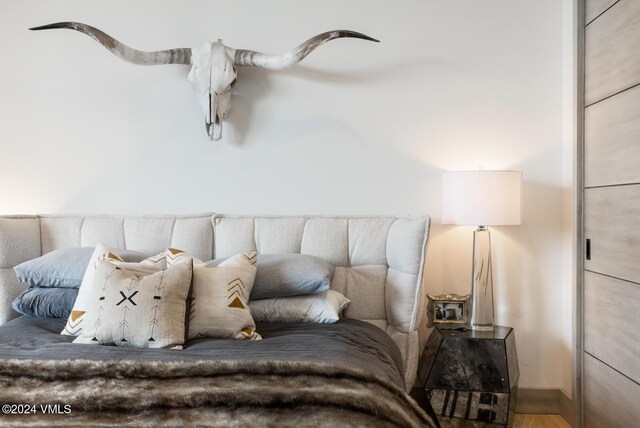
(358, 128)
(570, 139)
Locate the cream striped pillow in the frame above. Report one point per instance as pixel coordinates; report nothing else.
(147, 311)
(76, 321)
(220, 296)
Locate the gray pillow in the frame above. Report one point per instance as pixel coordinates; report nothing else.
(284, 275)
(46, 302)
(64, 268)
(322, 308)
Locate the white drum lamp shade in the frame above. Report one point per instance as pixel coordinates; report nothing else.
(482, 198)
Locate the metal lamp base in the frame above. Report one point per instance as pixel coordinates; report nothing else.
(482, 312)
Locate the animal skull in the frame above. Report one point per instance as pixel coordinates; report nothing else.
(213, 77)
(213, 73)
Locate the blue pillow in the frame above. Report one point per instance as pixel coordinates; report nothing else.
(64, 268)
(285, 275)
(46, 302)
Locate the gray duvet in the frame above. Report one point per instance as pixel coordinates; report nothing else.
(345, 374)
(349, 342)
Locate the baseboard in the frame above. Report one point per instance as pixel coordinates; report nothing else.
(538, 401)
(546, 401)
(566, 408)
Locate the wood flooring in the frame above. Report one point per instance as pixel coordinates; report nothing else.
(520, 420)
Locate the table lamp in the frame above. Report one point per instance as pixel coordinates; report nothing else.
(482, 198)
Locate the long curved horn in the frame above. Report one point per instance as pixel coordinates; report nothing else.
(294, 56)
(122, 51)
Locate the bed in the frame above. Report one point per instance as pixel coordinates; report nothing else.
(352, 373)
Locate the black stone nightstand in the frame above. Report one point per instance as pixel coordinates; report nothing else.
(471, 374)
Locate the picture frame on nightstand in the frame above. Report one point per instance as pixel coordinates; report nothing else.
(449, 311)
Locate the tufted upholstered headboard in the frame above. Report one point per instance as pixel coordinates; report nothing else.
(379, 260)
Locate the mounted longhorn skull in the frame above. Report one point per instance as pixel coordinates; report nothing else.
(213, 66)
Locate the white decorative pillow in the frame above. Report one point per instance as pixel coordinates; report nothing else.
(140, 311)
(75, 322)
(219, 297)
(323, 308)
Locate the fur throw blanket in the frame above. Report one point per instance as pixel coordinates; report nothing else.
(208, 393)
